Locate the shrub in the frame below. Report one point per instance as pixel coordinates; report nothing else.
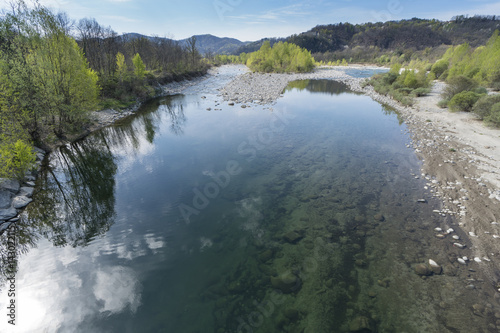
(495, 81)
(419, 92)
(439, 68)
(463, 101)
(457, 85)
(443, 104)
(494, 116)
(16, 159)
(484, 105)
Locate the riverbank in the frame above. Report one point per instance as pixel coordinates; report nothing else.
(460, 156)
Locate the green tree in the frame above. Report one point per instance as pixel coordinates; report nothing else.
(139, 67)
(121, 67)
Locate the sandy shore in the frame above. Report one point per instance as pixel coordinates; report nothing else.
(461, 156)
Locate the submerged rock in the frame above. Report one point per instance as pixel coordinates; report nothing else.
(423, 270)
(292, 237)
(360, 324)
(287, 283)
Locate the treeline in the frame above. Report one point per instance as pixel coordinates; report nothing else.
(390, 42)
(53, 71)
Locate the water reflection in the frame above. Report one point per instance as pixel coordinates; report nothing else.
(328, 87)
(75, 198)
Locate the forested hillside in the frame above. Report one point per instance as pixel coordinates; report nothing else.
(368, 42)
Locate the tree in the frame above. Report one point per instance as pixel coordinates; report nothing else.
(139, 67)
(121, 67)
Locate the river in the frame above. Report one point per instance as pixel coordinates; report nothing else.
(303, 216)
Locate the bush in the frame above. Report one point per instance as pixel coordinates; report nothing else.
(439, 68)
(463, 101)
(16, 159)
(494, 116)
(457, 85)
(443, 104)
(419, 92)
(484, 105)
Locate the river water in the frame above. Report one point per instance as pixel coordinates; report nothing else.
(297, 217)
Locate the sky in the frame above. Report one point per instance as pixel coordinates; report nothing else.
(250, 20)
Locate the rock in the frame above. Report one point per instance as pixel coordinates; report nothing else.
(5, 199)
(287, 283)
(10, 185)
(21, 201)
(7, 213)
(292, 314)
(435, 268)
(265, 255)
(423, 270)
(4, 226)
(32, 184)
(450, 270)
(292, 237)
(230, 103)
(26, 191)
(360, 324)
(378, 217)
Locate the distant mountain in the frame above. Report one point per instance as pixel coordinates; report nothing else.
(216, 45)
(204, 43)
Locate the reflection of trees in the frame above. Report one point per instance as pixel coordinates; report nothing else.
(319, 86)
(75, 198)
(175, 111)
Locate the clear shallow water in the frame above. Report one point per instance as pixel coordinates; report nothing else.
(300, 218)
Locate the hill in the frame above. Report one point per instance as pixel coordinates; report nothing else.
(204, 43)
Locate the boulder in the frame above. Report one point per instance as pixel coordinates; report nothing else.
(10, 185)
(26, 191)
(7, 213)
(5, 199)
(21, 201)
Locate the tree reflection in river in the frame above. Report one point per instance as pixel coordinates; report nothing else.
(75, 198)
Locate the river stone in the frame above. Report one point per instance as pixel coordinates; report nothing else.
(287, 283)
(5, 199)
(423, 270)
(265, 255)
(4, 226)
(11, 185)
(378, 217)
(21, 201)
(7, 213)
(360, 324)
(27, 191)
(292, 237)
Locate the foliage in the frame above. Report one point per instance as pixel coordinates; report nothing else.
(281, 58)
(139, 67)
(439, 67)
(494, 116)
(16, 158)
(485, 104)
(458, 84)
(402, 85)
(481, 64)
(463, 101)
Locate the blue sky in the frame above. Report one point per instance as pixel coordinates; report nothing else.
(254, 19)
